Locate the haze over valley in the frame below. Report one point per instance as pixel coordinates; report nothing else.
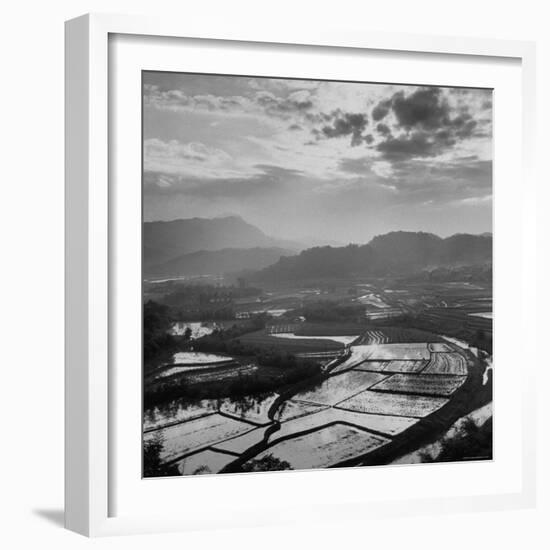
(227, 245)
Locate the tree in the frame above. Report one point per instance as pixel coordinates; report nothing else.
(152, 463)
(469, 443)
(266, 464)
(156, 325)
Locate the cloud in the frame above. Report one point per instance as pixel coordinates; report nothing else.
(475, 201)
(295, 102)
(383, 129)
(239, 141)
(416, 144)
(414, 181)
(383, 169)
(358, 166)
(258, 103)
(192, 159)
(366, 165)
(424, 124)
(277, 173)
(425, 108)
(344, 124)
(381, 110)
(173, 149)
(442, 182)
(267, 180)
(177, 100)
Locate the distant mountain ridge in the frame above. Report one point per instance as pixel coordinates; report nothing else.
(213, 262)
(199, 246)
(165, 241)
(398, 252)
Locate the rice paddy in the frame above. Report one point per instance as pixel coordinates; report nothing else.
(325, 447)
(338, 387)
(375, 393)
(423, 384)
(205, 462)
(393, 403)
(251, 409)
(193, 435)
(447, 363)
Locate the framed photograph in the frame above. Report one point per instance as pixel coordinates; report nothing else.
(289, 269)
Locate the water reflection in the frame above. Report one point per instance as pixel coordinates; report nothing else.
(193, 329)
(253, 409)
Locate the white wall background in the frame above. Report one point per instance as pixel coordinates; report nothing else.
(31, 267)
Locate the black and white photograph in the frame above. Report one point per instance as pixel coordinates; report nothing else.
(317, 280)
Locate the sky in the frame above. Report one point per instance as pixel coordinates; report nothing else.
(317, 161)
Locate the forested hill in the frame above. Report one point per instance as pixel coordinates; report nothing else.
(166, 241)
(399, 252)
(228, 260)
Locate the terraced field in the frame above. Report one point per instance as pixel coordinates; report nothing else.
(264, 339)
(292, 409)
(178, 411)
(396, 335)
(383, 424)
(422, 384)
(325, 447)
(182, 439)
(204, 462)
(366, 401)
(440, 347)
(336, 388)
(374, 337)
(252, 410)
(185, 362)
(228, 372)
(396, 404)
(447, 363)
(345, 340)
(406, 352)
(397, 365)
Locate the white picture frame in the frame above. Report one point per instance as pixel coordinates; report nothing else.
(90, 213)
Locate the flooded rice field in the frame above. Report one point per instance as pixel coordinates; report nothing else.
(251, 409)
(196, 359)
(337, 388)
(204, 462)
(180, 439)
(325, 447)
(422, 384)
(483, 315)
(346, 340)
(186, 361)
(395, 404)
(177, 411)
(366, 398)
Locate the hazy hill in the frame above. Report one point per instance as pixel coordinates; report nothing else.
(228, 260)
(402, 248)
(399, 252)
(164, 241)
(464, 248)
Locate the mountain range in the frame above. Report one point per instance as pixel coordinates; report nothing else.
(200, 246)
(227, 260)
(394, 253)
(167, 243)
